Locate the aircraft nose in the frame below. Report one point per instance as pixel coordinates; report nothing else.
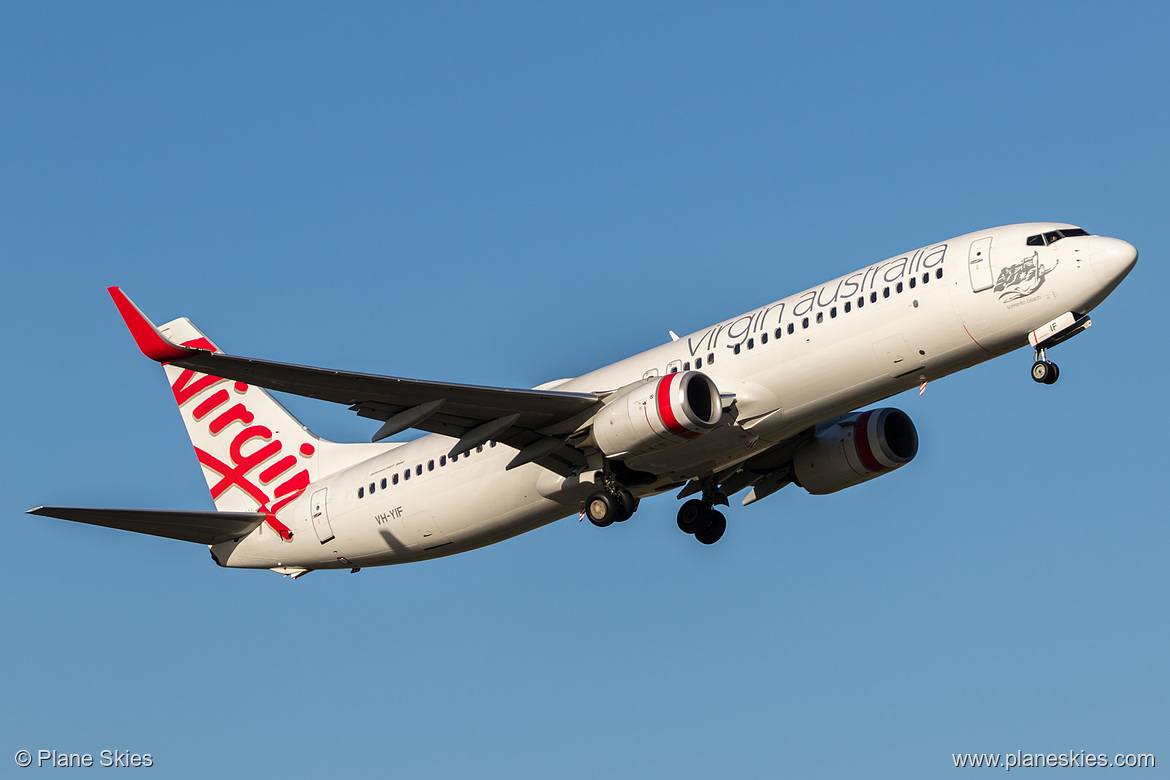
(1111, 259)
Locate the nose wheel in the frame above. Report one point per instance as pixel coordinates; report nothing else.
(1044, 370)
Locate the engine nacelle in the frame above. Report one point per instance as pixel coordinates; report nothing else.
(855, 449)
(660, 412)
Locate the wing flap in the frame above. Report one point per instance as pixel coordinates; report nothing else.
(197, 527)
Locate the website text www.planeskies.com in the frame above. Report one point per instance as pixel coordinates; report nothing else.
(1070, 758)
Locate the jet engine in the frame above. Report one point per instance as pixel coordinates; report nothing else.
(657, 413)
(855, 448)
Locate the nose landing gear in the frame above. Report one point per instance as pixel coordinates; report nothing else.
(1055, 332)
(1044, 370)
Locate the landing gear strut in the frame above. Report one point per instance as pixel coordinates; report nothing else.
(1044, 370)
(699, 516)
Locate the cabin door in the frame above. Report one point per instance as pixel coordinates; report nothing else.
(979, 264)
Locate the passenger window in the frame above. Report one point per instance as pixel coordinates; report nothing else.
(455, 457)
(925, 278)
(885, 292)
(833, 312)
(873, 296)
(442, 461)
(491, 444)
(394, 479)
(938, 274)
(418, 469)
(763, 338)
(913, 282)
(735, 349)
(804, 323)
(361, 492)
(778, 332)
(710, 358)
(861, 301)
(698, 362)
(848, 306)
(479, 448)
(687, 366)
(791, 328)
(899, 287)
(751, 343)
(406, 474)
(383, 485)
(430, 465)
(371, 488)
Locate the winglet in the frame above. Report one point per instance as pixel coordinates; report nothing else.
(153, 344)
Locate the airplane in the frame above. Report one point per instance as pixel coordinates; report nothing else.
(772, 397)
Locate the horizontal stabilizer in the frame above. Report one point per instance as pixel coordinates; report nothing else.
(198, 527)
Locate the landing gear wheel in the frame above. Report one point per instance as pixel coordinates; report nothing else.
(1042, 370)
(1053, 373)
(626, 505)
(692, 516)
(714, 530)
(602, 508)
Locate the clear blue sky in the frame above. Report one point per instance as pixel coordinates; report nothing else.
(508, 193)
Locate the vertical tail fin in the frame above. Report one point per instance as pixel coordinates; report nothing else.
(255, 455)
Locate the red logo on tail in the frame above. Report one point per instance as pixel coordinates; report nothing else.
(250, 449)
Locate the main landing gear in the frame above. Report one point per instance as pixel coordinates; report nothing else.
(700, 518)
(1044, 370)
(613, 505)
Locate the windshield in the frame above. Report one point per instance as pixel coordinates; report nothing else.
(1052, 236)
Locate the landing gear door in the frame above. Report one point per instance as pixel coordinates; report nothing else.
(319, 512)
(979, 264)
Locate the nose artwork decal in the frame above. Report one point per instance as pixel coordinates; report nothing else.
(1023, 278)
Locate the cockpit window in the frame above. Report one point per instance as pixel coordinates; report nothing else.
(1052, 236)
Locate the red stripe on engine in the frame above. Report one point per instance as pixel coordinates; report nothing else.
(864, 451)
(666, 413)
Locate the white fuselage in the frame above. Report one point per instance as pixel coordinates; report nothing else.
(791, 364)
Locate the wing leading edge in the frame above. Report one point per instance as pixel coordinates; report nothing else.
(535, 422)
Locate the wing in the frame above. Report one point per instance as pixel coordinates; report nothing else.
(536, 422)
(198, 527)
